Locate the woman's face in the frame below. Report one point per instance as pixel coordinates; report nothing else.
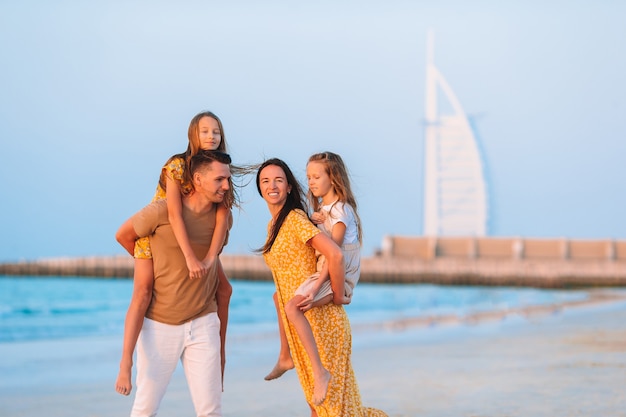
(273, 185)
(209, 134)
(319, 181)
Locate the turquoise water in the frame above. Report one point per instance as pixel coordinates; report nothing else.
(48, 308)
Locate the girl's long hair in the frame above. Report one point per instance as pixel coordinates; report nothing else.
(295, 200)
(340, 180)
(193, 147)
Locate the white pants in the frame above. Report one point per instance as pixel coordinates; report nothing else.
(197, 345)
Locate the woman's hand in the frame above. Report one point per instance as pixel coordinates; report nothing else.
(307, 303)
(347, 299)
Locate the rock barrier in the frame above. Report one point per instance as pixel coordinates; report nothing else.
(553, 273)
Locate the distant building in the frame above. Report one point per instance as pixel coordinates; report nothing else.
(455, 190)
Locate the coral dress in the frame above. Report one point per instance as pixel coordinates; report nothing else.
(291, 261)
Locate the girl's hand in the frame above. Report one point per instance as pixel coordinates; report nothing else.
(196, 268)
(318, 217)
(209, 263)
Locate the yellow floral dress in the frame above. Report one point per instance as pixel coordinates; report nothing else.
(291, 261)
(174, 169)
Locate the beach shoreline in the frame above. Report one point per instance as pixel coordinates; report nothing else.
(568, 360)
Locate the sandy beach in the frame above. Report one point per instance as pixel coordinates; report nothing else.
(562, 361)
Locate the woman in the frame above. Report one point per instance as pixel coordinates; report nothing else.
(289, 251)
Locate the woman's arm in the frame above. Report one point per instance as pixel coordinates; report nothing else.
(175, 217)
(336, 268)
(337, 234)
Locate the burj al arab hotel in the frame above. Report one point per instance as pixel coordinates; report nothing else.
(455, 190)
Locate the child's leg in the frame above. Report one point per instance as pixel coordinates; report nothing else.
(285, 362)
(321, 376)
(123, 384)
(224, 292)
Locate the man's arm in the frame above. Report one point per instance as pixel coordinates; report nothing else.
(126, 236)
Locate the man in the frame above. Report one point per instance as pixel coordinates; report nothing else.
(174, 317)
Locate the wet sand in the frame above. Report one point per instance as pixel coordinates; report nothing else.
(561, 361)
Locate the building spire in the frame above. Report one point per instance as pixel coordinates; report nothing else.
(455, 192)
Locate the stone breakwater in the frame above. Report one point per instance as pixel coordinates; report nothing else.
(554, 273)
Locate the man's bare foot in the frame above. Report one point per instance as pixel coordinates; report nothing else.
(321, 388)
(279, 369)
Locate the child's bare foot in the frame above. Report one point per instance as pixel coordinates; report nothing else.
(321, 388)
(280, 368)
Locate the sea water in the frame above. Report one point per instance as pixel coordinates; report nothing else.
(51, 308)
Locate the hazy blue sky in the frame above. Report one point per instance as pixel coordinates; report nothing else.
(95, 96)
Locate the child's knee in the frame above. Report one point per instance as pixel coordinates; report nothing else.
(292, 309)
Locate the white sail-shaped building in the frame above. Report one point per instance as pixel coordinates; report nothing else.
(455, 190)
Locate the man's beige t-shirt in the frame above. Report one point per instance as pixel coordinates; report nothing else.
(176, 298)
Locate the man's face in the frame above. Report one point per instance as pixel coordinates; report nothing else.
(213, 181)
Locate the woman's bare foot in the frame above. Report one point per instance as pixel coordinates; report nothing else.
(280, 368)
(321, 388)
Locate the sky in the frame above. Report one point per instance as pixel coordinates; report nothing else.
(95, 96)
